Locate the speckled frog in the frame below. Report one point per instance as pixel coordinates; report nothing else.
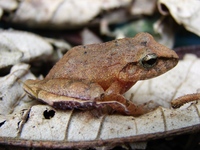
(96, 76)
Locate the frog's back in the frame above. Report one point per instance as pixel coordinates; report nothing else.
(115, 60)
(93, 62)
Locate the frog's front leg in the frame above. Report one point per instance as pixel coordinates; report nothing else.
(119, 103)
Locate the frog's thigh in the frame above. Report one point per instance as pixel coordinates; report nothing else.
(65, 91)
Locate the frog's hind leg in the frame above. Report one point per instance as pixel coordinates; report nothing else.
(184, 99)
(65, 93)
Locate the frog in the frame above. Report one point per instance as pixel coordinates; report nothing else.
(96, 76)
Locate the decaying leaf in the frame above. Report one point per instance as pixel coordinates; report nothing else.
(165, 31)
(18, 46)
(186, 13)
(43, 126)
(47, 127)
(140, 7)
(8, 5)
(89, 37)
(12, 94)
(61, 13)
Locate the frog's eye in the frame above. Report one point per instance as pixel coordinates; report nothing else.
(149, 61)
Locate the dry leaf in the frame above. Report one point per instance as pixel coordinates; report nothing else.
(89, 37)
(185, 12)
(43, 126)
(61, 13)
(18, 46)
(12, 94)
(165, 31)
(8, 5)
(143, 7)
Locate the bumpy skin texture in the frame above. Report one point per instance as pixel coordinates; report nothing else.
(96, 75)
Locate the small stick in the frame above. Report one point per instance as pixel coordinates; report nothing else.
(184, 99)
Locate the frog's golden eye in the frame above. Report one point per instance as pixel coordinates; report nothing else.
(149, 61)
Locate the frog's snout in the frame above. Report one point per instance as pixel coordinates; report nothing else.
(174, 58)
(175, 55)
(174, 62)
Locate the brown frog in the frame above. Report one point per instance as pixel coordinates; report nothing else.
(96, 75)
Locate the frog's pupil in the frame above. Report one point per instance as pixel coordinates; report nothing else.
(151, 61)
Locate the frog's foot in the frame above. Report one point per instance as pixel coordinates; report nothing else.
(119, 104)
(184, 99)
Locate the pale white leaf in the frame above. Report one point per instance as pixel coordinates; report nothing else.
(185, 12)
